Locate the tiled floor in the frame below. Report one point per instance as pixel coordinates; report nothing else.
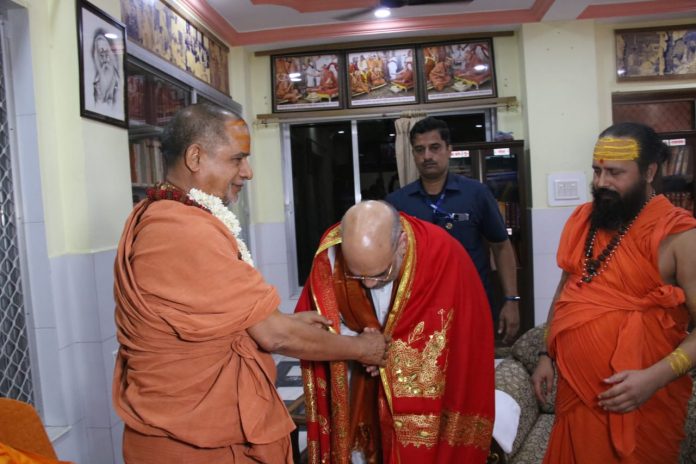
(289, 384)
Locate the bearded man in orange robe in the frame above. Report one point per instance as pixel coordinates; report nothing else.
(194, 378)
(433, 401)
(618, 324)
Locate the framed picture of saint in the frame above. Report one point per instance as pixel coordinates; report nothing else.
(381, 77)
(307, 82)
(458, 71)
(101, 55)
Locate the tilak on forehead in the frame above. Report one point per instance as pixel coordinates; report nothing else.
(613, 149)
(240, 133)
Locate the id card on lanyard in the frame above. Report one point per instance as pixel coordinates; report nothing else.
(441, 214)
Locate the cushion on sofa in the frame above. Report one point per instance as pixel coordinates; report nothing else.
(534, 448)
(512, 378)
(526, 350)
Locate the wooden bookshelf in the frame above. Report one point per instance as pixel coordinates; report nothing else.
(677, 182)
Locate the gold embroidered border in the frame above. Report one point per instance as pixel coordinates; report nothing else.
(320, 281)
(417, 429)
(313, 452)
(333, 237)
(452, 427)
(402, 295)
(340, 448)
(310, 390)
(466, 430)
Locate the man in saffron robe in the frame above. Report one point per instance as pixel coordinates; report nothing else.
(433, 401)
(194, 379)
(440, 75)
(618, 325)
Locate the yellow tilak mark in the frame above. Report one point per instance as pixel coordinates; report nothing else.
(611, 149)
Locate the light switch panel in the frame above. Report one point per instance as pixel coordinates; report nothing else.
(567, 188)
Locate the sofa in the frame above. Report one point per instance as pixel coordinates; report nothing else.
(512, 376)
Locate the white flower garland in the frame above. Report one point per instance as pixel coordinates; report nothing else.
(227, 217)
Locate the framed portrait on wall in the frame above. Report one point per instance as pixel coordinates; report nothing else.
(307, 82)
(381, 77)
(101, 43)
(656, 53)
(457, 71)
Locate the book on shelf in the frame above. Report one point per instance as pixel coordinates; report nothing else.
(147, 165)
(678, 163)
(510, 213)
(136, 98)
(681, 199)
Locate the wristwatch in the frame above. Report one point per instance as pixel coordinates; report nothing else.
(512, 298)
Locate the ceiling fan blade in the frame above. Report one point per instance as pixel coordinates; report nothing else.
(354, 14)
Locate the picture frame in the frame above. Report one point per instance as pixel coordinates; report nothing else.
(173, 35)
(457, 70)
(659, 53)
(307, 82)
(101, 55)
(380, 77)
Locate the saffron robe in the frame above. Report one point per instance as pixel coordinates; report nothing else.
(187, 369)
(434, 400)
(626, 318)
(439, 76)
(10, 455)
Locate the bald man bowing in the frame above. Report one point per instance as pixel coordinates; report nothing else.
(433, 401)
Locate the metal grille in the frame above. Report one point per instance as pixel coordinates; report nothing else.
(15, 375)
(670, 116)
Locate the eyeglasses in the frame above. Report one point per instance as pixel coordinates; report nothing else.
(384, 277)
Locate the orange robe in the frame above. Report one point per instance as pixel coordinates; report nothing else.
(626, 318)
(190, 383)
(10, 455)
(439, 76)
(434, 400)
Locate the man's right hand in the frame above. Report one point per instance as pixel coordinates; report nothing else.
(374, 347)
(542, 378)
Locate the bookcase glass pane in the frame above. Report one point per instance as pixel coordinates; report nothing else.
(667, 116)
(678, 176)
(169, 98)
(502, 178)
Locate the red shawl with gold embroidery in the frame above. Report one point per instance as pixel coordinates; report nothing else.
(434, 399)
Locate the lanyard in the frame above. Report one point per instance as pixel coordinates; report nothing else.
(437, 211)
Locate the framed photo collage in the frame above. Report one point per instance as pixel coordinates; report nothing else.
(399, 75)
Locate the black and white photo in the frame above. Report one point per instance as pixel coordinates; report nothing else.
(101, 49)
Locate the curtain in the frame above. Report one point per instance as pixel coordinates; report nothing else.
(405, 165)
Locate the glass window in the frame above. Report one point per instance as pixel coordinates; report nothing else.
(323, 184)
(377, 158)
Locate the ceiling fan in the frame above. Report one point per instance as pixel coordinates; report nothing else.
(392, 4)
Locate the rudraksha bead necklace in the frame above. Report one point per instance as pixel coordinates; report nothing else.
(593, 267)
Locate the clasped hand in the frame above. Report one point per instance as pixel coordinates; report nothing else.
(374, 345)
(376, 349)
(629, 390)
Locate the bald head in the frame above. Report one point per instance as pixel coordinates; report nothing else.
(202, 123)
(370, 233)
